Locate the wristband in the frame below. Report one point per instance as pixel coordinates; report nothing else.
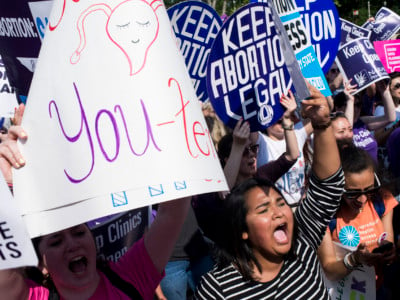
(348, 264)
(290, 127)
(321, 126)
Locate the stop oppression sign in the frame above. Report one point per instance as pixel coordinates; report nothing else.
(246, 73)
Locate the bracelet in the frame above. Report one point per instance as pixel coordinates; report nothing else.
(290, 127)
(321, 126)
(348, 264)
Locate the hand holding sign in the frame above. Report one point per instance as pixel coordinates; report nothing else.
(9, 152)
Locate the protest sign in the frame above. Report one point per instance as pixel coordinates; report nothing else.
(350, 31)
(321, 19)
(385, 25)
(246, 73)
(359, 284)
(123, 126)
(301, 43)
(115, 236)
(357, 60)
(196, 25)
(21, 30)
(8, 99)
(16, 249)
(389, 53)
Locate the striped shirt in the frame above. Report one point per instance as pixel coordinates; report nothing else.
(300, 276)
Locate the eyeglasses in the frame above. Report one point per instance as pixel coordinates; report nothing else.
(252, 148)
(370, 193)
(334, 70)
(396, 86)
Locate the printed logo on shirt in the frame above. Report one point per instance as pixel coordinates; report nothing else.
(349, 236)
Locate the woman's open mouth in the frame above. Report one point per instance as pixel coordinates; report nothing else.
(78, 264)
(281, 234)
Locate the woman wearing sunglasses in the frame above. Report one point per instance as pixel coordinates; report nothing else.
(363, 220)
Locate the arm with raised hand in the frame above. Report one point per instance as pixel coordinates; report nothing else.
(241, 134)
(164, 231)
(292, 148)
(377, 122)
(326, 160)
(349, 89)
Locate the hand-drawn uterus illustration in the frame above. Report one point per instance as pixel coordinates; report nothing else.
(132, 26)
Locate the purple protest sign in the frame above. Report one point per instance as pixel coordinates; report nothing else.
(114, 237)
(350, 31)
(21, 29)
(357, 60)
(196, 25)
(389, 53)
(246, 73)
(385, 25)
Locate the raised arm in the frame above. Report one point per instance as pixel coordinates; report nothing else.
(326, 160)
(377, 122)
(292, 148)
(348, 90)
(164, 231)
(241, 134)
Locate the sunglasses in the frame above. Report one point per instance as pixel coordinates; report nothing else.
(251, 149)
(396, 86)
(334, 70)
(336, 114)
(370, 193)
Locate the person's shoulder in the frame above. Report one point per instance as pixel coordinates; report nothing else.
(36, 291)
(388, 199)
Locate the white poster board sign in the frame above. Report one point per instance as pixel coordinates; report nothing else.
(16, 249)
(113, 120)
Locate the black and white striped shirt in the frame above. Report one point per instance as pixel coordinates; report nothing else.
(300, 276)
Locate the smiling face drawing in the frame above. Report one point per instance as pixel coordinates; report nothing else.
(132, 26)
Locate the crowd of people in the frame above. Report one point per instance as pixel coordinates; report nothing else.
(253, 242)
(295, 189)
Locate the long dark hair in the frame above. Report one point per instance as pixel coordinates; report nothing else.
(233, 248)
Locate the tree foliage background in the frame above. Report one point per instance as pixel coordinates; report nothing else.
(345, 8)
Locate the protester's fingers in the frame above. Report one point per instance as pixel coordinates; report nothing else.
(17, 132)
(241, 131)
(245, 129)
(19, 113)
(10, 153)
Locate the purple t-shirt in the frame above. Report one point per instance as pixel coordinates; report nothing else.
(364, 139)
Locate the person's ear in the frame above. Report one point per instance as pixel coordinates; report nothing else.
(245, 235)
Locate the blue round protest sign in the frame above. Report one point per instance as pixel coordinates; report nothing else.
(246, 73)
(196, 25)
(321, 19)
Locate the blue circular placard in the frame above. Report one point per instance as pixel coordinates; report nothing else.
(246, 73)
(321, 19)
(195, 25)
